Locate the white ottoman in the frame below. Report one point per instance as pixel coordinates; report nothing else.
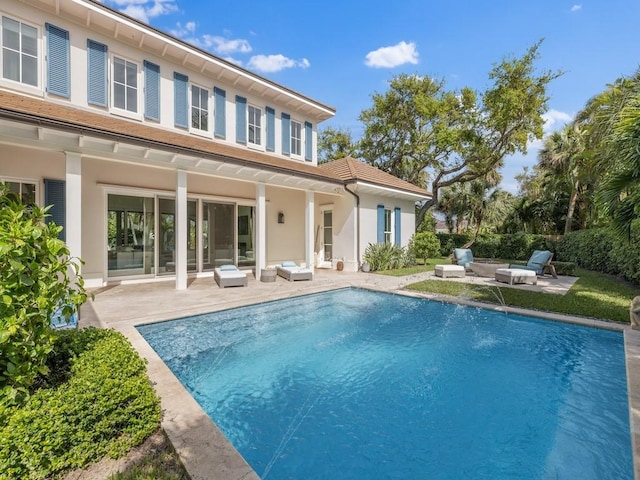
(516, 275)
(446, 271)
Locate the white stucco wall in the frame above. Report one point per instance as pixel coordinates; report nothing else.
(78, 35)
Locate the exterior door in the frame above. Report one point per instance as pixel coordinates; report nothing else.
(326, 246)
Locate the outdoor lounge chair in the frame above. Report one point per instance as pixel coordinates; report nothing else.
(539, 262)
(230, 276)
(291, 271)
(464, 257)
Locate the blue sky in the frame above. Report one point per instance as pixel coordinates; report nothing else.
(341, 52)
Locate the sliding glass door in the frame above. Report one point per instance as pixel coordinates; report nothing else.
(218, 220)
(223, 233)
(130, 235)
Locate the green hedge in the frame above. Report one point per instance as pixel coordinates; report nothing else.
(518, 246)
(99, 402)
(600, 250)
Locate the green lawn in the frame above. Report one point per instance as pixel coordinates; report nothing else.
(594, 295)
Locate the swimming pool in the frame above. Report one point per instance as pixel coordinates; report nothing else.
(358, 384)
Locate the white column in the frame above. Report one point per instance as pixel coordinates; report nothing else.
(73, 203)
(261, 229)
(308, 229)
(181, 230)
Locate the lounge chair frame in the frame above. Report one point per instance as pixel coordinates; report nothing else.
(230, 278)
(294, 273)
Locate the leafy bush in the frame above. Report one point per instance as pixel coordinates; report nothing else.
(564, 268)
(104, 407)
(35, 280)
(600, 250)
(424, 245)
(518, 246)
(385, 256)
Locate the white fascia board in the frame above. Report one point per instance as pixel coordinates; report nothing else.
(404, 193)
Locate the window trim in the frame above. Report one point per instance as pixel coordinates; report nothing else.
(388, 234)
(24, 181)
(39, 56)
(137, 115)
(261, 143)
(298, 140)
(193, 129)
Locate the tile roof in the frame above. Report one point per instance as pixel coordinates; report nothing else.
(351, 170)
(85, 122)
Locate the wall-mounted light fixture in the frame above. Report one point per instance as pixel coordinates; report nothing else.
(280, 217)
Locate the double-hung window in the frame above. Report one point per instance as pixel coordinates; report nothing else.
(199, 108)
(387, 225)
(19, 52)
(296, 138)
(125, 85)
(26, 191)
(255, 125)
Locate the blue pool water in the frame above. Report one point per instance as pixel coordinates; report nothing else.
(354, 384)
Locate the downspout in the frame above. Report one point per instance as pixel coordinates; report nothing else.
(357, 221)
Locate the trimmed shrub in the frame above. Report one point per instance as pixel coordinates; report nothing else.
(385, 256)
(100, 404)
(424, 245)
(35, 280)
(518, 246)
(600, 250)
(564, 268)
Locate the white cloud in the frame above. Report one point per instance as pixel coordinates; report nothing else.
(143, 10)
(576, 8)
(275, 63)
(389, 57)
(213, 43)
(554, 119)
(225, 46)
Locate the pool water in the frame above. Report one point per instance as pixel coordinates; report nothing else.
(354, 384)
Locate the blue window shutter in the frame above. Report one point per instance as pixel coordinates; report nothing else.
(308, 141)
(286, 134)
(380, 223)
(220, 106)
(397, 231)
(241, 119)
(54, 194)
(96, 73)
(151, 91)
(271, 129)
(180, 100)
(58, 61)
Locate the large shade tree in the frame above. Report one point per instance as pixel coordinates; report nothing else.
(434, 137)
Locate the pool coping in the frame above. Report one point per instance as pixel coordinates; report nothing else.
(204, 450)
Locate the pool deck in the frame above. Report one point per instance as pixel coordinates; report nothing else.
(202, 448)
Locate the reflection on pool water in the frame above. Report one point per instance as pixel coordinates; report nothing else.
(355, 384)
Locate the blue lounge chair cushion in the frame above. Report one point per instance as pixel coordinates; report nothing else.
(464, 256)
(226, 268)
(288, 264)
(537, 261)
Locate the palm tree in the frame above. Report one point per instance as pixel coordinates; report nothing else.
(564, 153)
(612, 119)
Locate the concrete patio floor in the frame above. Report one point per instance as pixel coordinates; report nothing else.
(203, 449)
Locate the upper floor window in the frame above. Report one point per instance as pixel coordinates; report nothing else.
(25, 191)
(255, 125)
(296, 138)
(19, 52)
(387, 225)
(199, 108)
(125, 85)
